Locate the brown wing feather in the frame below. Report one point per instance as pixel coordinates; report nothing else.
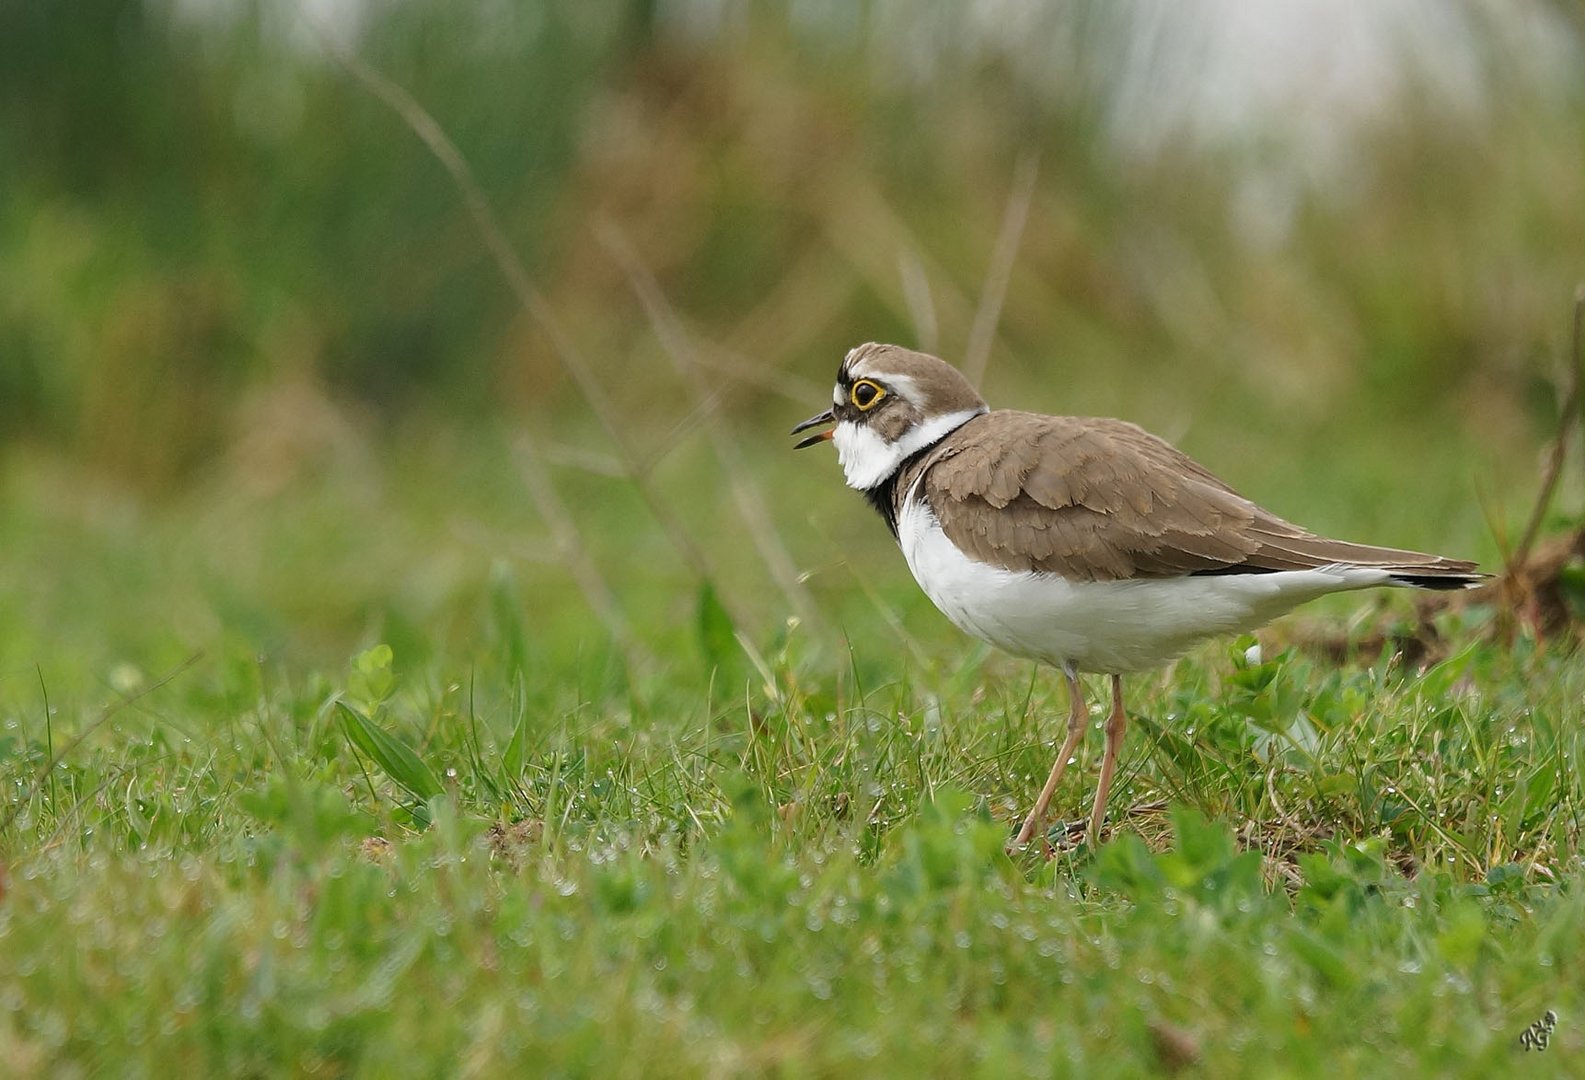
(1097, 500)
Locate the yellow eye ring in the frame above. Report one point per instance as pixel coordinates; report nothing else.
(865, 394)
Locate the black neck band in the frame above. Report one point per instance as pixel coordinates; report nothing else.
(883, 496)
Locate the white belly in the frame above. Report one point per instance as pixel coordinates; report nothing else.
(1102, 626)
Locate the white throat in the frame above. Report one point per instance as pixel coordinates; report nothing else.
(867, 459)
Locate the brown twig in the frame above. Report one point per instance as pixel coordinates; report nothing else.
(1000, 271)
(1569, 417)
(1529, 591)
(674, 341)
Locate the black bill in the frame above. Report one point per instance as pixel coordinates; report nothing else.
(826, 417)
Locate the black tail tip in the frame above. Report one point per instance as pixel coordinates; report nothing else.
(1442, 582)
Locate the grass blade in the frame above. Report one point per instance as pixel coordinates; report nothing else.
(391, 754)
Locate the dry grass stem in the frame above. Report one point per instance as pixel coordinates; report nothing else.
(1000, 272)
(751, 506)
(916, 291)
(574, 555)
(429, 131)
(863, 228)
(1568, 419)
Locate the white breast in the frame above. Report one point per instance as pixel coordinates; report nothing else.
(1102, 626)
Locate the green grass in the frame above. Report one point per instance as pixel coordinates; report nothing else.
(314, 760)
(491, 850)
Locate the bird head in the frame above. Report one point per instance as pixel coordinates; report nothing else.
(888, 404)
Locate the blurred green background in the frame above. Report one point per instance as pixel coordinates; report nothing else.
(262, 385)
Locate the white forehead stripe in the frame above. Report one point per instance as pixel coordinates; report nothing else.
(836, 394)
(905, 386)
(857, 360)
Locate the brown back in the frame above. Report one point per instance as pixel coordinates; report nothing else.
(1094, 499)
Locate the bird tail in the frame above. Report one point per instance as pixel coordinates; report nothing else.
(1438, 578)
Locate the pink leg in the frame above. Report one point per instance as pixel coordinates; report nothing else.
(1115, 725)
(1078, 716)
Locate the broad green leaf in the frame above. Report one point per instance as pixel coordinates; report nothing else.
(391, 754)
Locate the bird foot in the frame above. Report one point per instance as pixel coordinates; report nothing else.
(1048, 851)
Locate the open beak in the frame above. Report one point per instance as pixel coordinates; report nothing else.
(822, 418)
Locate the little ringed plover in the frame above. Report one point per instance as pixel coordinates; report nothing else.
(1082, 542)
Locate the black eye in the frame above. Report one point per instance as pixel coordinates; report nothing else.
(865, 394)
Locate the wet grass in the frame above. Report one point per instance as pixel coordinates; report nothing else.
(433, 824)
(359, 716)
